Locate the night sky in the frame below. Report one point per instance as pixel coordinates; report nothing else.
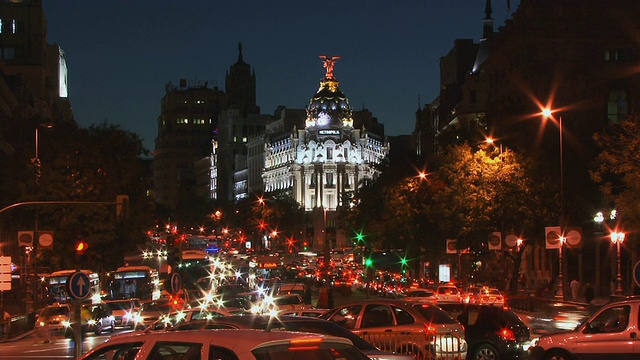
(121, 53)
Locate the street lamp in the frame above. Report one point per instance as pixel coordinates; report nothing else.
(37, 164)
(618, 238)
(547, 113)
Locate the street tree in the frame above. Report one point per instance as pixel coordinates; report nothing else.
(617, 171)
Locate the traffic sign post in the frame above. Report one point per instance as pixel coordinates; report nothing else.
(636, 273)
(78, 286)
(175, 283)
(5, 273)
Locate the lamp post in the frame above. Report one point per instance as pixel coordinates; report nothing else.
(37, 164)
(618, 238)
(560, 293)
(547, 113)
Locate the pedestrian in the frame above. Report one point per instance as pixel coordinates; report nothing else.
(323, 298)
(589, 293)
(575, 286)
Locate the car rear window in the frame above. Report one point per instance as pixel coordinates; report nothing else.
(434, 314)
(327, 328)
(447, 290)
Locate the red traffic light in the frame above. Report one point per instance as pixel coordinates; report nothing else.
(81, 246)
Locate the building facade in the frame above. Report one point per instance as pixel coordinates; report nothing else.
(323, 162)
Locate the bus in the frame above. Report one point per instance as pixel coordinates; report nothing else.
(193, 265)
(56, 286)
(141, 282)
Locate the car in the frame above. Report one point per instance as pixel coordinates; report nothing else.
(289, 323)
(419, 329)
(177, 317)
(486, 296)
(492, 332)
(556, 317)
(295, 288)
(224, 344)
(152, 311)
(610, 333)
(97, 318)
(53, 319)
(124, 311)
(448, 293)
(304, 312)
(420, 295)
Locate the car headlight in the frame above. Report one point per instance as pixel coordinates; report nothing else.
(534, 342)
(41, 323)
(91, 322)
(66, 323)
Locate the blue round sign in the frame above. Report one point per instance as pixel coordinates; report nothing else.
(175, 283)
(78, 285)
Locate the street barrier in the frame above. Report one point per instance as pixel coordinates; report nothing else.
(420, 345)
(16, 326)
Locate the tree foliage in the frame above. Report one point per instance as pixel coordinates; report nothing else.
(617, 170)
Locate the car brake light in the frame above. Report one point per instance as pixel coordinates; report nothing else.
(507, 334)
(305, 343)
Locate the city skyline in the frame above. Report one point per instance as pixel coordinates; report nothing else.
(121, 54)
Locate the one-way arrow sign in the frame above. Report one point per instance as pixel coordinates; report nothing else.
(78, 285)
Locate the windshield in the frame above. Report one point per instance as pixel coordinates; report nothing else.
(55, 310)
(420, 293)
(120, 305)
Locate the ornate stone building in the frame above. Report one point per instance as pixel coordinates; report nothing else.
(326, 160)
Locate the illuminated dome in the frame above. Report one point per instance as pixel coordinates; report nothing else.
(329, 107)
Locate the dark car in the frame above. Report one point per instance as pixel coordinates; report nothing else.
(288, 323)
(492, 332)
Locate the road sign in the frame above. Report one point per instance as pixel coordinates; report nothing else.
(636, 273)
(175, 283)
(5, 273)
(78, 285)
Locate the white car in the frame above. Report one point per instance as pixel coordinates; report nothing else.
(448, 294)
(225, 344)
(53, 319)
(611, 333)
(420, 295)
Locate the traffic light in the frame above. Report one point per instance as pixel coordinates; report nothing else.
(368, 262)
(306, 246)
(81, 250)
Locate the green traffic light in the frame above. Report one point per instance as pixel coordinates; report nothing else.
(404, 261)
(359, 237)
(368, 262)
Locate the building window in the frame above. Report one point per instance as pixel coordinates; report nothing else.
(329, 153)
(617, 106)
(1, 26)
(329, 179)
(7, 53)
(13, 26)
(182, 121)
